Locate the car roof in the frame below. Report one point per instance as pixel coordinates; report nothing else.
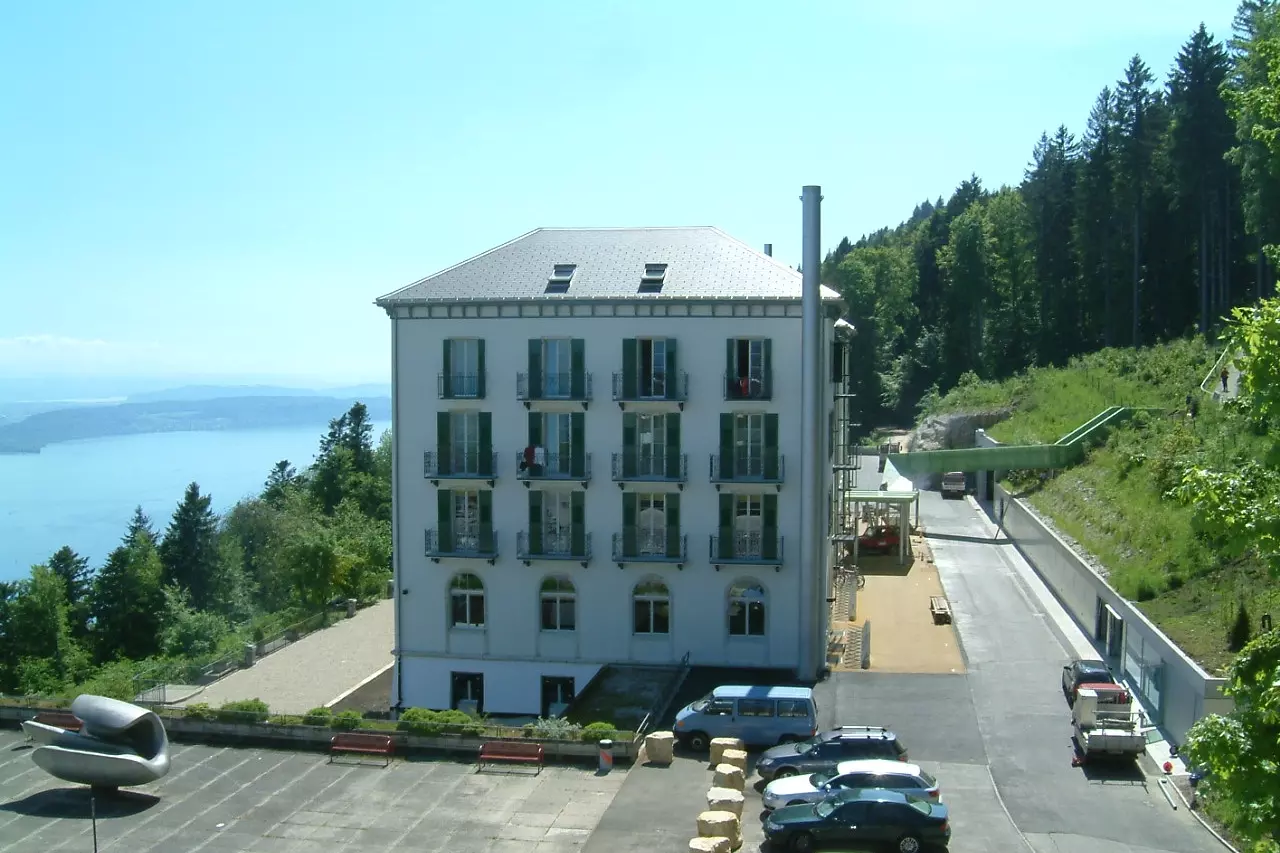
(871, 795)
(877, 765)
(859, 733)
(1092, 664)
(743, 691)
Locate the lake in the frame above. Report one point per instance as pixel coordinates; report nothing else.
(82, 493)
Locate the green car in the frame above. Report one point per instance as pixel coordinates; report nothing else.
(908, 824)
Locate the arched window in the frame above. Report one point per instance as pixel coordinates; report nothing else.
(466, 601)
(651, 604)
(747, 602)
(559, 605)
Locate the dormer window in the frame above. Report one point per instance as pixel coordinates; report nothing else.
(654, 275)
(561, 276)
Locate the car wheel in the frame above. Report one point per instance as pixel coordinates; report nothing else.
(784, 772)
(802, 843)
(908, 844)
(698, 741)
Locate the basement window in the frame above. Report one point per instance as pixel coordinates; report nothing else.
(654, 275)
(561, 276)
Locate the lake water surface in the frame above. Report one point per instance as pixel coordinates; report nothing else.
(82, 493)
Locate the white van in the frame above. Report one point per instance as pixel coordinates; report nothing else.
(954, 484)
(760, 716)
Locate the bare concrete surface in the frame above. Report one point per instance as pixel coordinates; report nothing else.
(316, 669)
(225, 800)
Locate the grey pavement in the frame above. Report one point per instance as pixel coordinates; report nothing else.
(225, 800)
(315, 670)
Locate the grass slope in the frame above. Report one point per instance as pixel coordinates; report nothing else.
(1113, 506)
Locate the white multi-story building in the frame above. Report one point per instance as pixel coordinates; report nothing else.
(597, 442)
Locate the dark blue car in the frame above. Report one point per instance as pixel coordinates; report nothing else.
(907, 824)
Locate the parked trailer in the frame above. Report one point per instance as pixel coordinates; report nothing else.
(1106, 723)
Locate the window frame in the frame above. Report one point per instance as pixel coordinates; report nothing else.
(564, 594)
(651, 600)
(471, 597)
(751, 622)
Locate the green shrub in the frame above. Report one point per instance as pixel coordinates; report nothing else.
(598, 731)
(418, 721)
(198, 711)
(347, 721)
(318, 717)
(428, 723)
(243, 711)
(553, 728)
(459, 723)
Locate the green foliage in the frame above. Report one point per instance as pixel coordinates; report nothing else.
(1237, 509)
(346, 721)
(127, 601)
(318, 717)
(187, 632)
(198, 711)
(191, 558)
(1241, 751)
(428, 723)
(598, 731)
(118, 679)
(553, 728)
(243, 711)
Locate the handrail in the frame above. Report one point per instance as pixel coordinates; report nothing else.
(1207, 385)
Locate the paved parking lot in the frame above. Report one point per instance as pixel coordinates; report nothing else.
(224, 800)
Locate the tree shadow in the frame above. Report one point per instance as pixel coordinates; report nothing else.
(74, 803)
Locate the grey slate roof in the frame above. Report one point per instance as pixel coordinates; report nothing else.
(702, 263)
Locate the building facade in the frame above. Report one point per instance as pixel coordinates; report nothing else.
(593, 431)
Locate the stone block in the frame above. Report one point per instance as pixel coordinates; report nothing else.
(725, 800)
(720, 744)
(728, 776)
(717, 844)
(721, 825)
(736, 757)
(659, 747)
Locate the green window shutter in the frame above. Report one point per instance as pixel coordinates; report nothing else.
(534, 386)
(673, 445)
(485, 467)
(629, 451)
(535, 429)
(486, 522)
(771, 447)
(630, 503)
(672, 384)
(446, 373)
(578, 369)
(444, 516)
(577, 450)
(480, 369)
(673, 524)
(726, 527)
(767, 379)
(630, 370)
(535, 521)
(769, 525)
(444, 447)
(726, 446)
(730, 367)
(577, 524)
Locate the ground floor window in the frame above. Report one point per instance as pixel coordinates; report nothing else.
(466, 601)
(651, 604)
(747, 605)
(467, 691)
(559, 605)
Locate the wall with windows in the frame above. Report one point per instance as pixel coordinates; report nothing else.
(764, 615)
(510, 686)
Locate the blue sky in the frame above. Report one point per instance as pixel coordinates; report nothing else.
(223, 188)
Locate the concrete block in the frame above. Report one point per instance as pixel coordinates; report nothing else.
(717, 844)
(659, 747)
(736, 757)
(728, 776)
(725, 800)
(720, 744)
(721, 825)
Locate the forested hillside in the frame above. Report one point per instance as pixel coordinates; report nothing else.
(1144, 225)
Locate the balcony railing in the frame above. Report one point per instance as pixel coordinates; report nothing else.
(478, 544)
(754, 386)
(747, 548)
(764, 467)
(669, 386)
(547, 386)
(460, 464)
(635, 545)
(460, 386)
(640, 466)
(552, 466)
(548, 546)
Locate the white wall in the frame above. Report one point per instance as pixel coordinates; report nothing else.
(509, 686)
(699, 620)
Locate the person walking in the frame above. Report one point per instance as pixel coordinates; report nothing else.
(1224, 376)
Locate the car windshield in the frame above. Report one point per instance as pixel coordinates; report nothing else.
(701, 704)
(928, 780)
(824, 809)
(817, 780)
(806, 747)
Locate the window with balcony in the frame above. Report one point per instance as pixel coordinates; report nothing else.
(747, 606)
(462, 374)
(466, 601)
(556, 371)
(557, 527)
(749, 368)
(650, 448)
(648, 371)
(748, 530)
(651, 527)
(559, 605)
(748, 448)
(556, 447)
(464, 445)
(557, 522)
(651, 607)
(465, 519)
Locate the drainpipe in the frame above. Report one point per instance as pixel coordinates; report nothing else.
(811, 416)
(396, 504)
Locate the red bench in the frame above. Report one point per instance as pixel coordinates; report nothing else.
(361, 744)
(519, 751)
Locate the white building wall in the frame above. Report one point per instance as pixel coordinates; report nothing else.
(698, 593)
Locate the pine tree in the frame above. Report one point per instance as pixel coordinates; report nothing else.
(139, 526)
(127, 602)
(282, 480)
(77, 578)
(189, 552)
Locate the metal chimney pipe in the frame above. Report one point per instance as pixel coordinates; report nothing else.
(812, 553)
(768, 249)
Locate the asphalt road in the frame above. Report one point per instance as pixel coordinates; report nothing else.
(999, 737)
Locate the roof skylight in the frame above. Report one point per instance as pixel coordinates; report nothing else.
(561, 276)
(654, 276)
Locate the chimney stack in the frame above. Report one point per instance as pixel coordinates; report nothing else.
(768, 249)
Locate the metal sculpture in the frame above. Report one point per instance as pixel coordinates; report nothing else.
(118, 745)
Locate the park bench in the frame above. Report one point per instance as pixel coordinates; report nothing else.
(522, 752)
(361, 744)
(941, 610)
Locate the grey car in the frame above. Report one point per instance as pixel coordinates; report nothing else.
(821, 753)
